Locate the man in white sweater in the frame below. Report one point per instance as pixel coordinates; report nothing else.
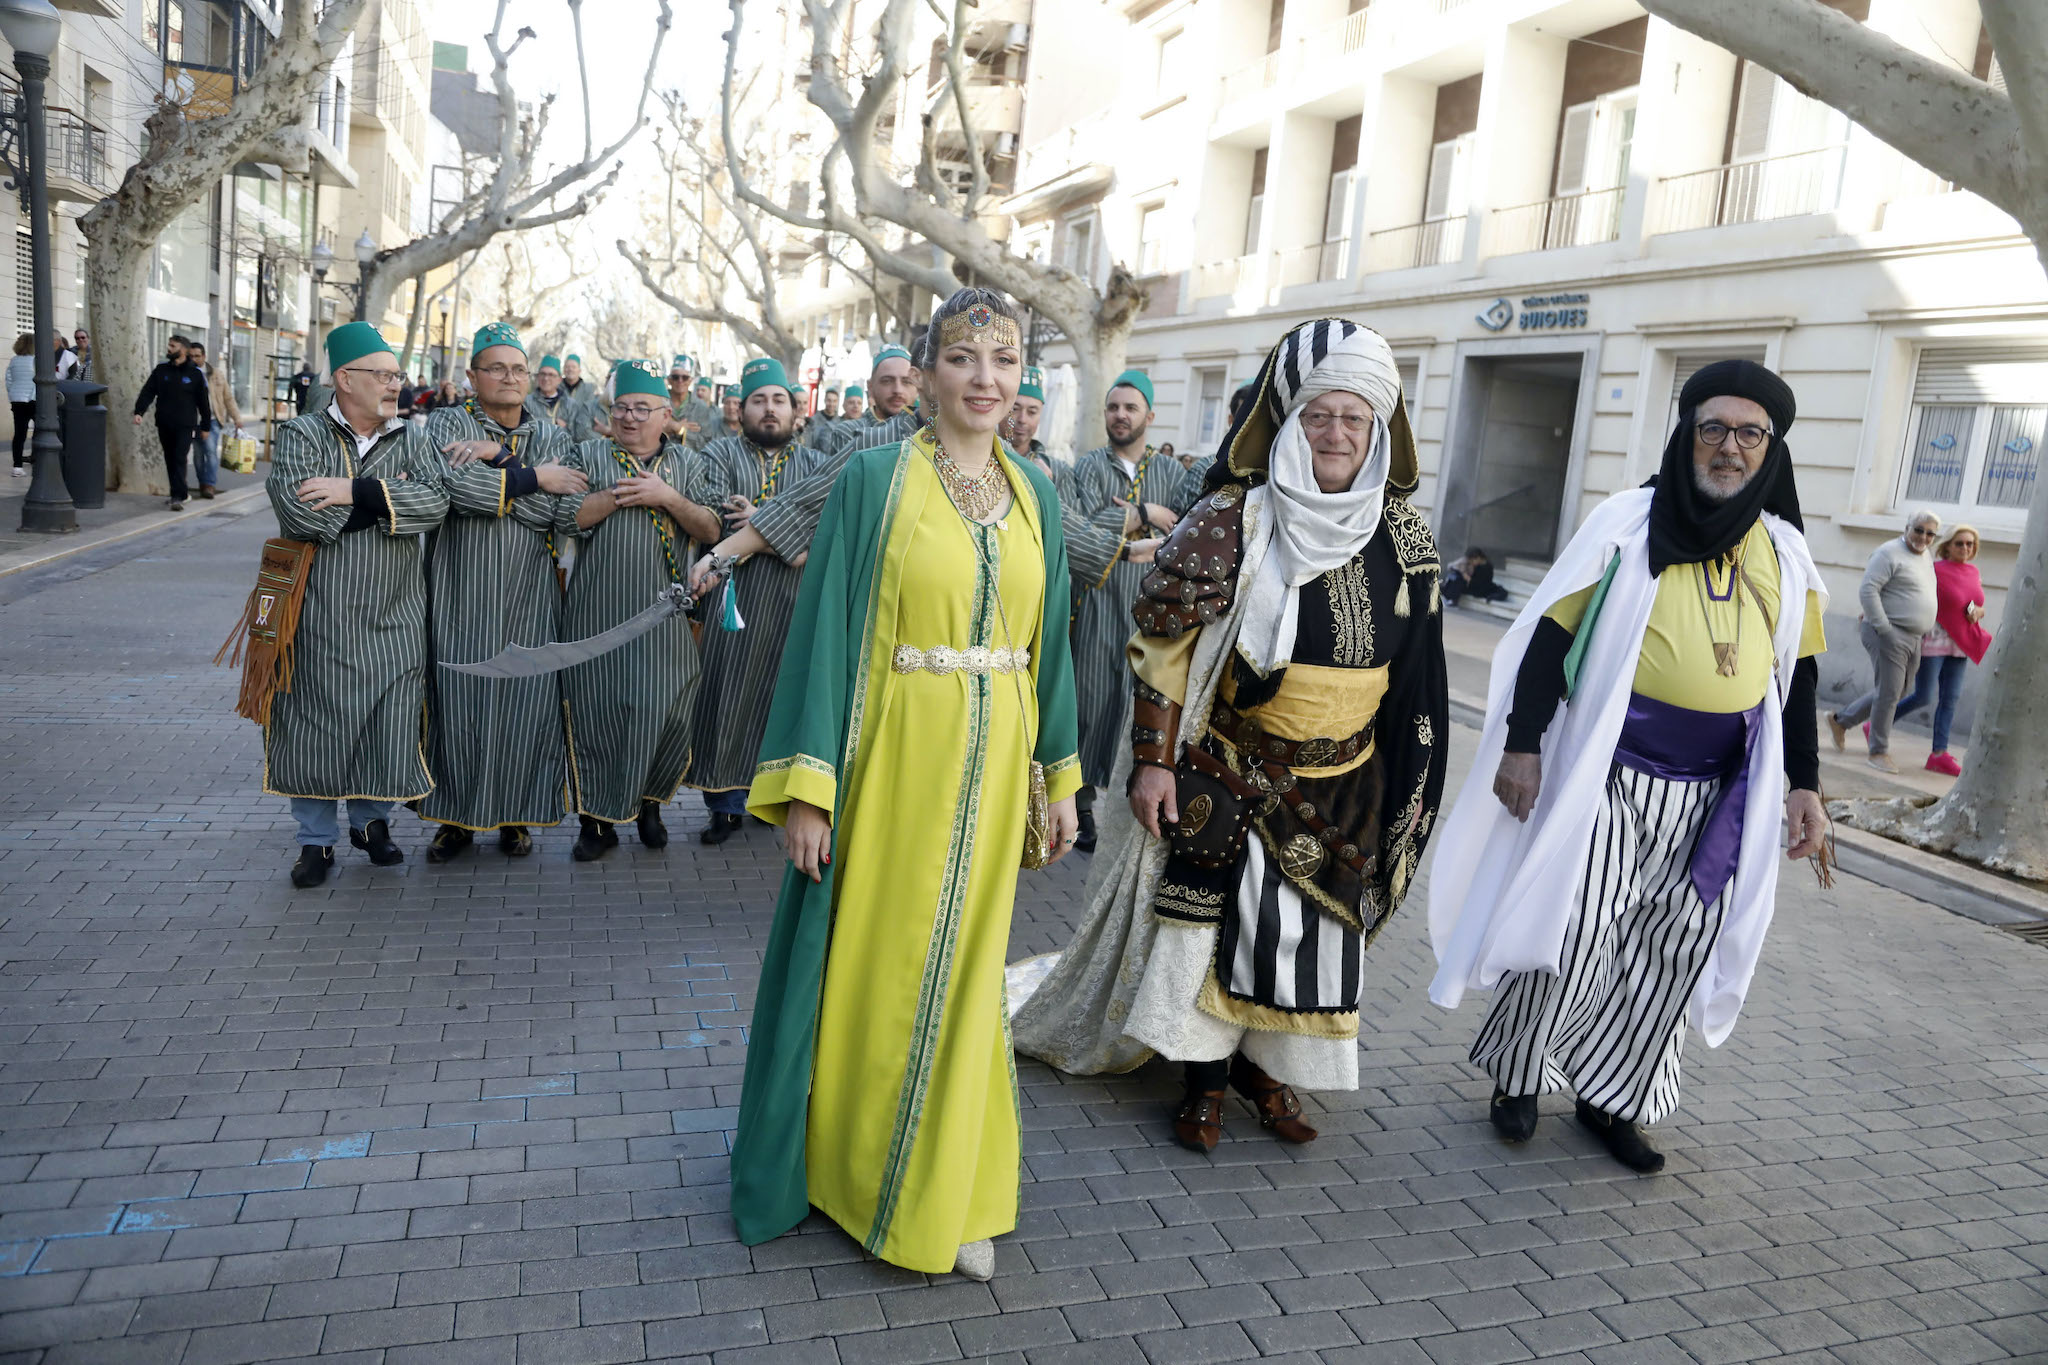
(1897, 597)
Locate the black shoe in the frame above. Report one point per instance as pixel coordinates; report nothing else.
(1514, 1116)
(376, 841)
(176, 504)
(721, 828)
(514, 841)
(1086, 842)
(1623, 1140)
(450, 841)
(595, 841)
(653, 833)
(315, 862)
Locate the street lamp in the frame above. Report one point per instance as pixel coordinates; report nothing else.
(31, 28)
(323, 261)
(366, 252)
(447, 360)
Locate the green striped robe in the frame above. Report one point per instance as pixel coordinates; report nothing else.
(739, 666)
(788, 523)
(629, 710)
(710, 423)
(579, 409)
(496, 743)
(1105, 587)
(351, 725)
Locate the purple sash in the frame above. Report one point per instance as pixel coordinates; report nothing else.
(1679, 745)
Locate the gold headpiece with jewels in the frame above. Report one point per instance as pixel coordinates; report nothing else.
(976, 322)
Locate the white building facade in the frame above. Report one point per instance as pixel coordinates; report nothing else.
(1554, 210)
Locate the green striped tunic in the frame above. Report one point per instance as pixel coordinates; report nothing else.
(709, 422)
(731, 712)
(496, 743)
(788, 523)
(579, 409)
(629, 710)
(1106, 586)
(351, 726)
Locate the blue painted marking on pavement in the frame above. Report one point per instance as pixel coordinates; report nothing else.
(139, 1219)
(324, 1149)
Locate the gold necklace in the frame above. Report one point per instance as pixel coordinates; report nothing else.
(976, 495)
(1728, 654)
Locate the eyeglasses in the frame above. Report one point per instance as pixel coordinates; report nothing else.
(390, 379)
(1922, 532)
(501, 373)
(1322, 421)
(1749, 438)
(634, 412)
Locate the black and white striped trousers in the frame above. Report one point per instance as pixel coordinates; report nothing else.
(1611, 1023)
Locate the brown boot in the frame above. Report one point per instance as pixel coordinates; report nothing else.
(1279, 1108)
(1198, 1126)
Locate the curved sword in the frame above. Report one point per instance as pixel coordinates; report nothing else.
(530, 661)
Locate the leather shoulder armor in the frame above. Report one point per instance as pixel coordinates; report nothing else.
(1194, 575)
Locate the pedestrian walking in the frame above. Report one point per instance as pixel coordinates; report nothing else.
(65, 362)
(227, 420)
(302, 382)
(1898, 600)
(21, 396)
(362, 486)
(1956, 640)
(82, 346)
(177, 388)
(925, 674)
(1620, 883)
(1292, 636)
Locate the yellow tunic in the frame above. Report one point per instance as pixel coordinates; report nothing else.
(1678, 664)
(913, 1140)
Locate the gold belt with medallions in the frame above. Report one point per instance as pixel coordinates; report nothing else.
(1269, 763)
(975, 660)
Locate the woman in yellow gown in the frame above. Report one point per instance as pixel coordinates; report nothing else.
(926, 670)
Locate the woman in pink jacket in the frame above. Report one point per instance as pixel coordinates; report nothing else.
(1957, 640)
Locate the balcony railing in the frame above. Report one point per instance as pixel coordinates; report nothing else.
(1751, 191)
(1217, 279)
(78, 151)
(1290, 59)
(1321, 262)
(1564, 220)
(1436, 242)
(1246, 81)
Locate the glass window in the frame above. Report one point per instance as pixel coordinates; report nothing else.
(1169, 79)
(2012, 457)
(1152, 239)
(1209, 412)
(179, 266)
(1941, 444)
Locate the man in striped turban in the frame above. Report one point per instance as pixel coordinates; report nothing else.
(1284, 763)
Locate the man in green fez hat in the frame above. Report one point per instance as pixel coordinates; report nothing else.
(629, 709)
(851, 402)
(1124, 499)
(695, 420)
(581, 411)
(1020, 428)
(547, 396)
(514, 487)
(362, 485)
(733, 478)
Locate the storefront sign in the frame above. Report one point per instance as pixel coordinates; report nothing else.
(1552, 312)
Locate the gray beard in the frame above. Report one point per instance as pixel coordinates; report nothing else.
(1706, 488)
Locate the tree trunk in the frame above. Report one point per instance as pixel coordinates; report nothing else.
(1996, 815)
(115, 274)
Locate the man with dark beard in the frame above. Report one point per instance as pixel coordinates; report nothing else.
(749, 617)
(1116, 504)
(1679, 628)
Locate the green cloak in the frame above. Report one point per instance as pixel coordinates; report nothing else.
(814, 720)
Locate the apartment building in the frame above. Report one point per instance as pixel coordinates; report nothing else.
(1554, 210)
(391, 61)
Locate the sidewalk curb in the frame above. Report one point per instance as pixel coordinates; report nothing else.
(66, 546)
(1940, 882)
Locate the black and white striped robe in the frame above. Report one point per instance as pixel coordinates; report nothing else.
(352, 724)
(788, 522)
(629, 709)
(1106, 586)
(497, 743)
(738, 682)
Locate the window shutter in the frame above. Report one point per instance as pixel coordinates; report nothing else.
(1572, 148)
(1759, 89)
(2012, 373)
(1443, 169)
(1410, 371)
(1337, 216)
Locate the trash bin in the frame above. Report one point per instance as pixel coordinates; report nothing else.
(82, 423)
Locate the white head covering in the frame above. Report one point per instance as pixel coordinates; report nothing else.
(1313, 531)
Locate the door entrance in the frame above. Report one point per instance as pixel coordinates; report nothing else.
(1516, 454)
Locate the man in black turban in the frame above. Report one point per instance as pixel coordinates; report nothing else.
(1618, 883)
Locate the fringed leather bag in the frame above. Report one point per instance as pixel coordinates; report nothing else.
(261, 642)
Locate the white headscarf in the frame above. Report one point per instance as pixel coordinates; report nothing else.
(1313, 531)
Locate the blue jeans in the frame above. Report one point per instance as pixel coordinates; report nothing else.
(733, 802)
(319, 819)
(1942, 673)
(206, 457)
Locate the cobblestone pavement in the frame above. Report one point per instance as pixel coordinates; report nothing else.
(479, 1113)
